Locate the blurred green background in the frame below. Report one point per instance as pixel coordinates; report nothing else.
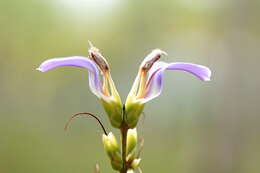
(193, 127)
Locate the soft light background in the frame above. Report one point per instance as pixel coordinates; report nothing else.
(193, 127)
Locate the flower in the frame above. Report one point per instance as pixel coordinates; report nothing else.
(147, 86)
(104, 89)
(148, 83)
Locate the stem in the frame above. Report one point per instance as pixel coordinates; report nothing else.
(124, 140)
(124, 128)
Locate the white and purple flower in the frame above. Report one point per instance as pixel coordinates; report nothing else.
(147, 85)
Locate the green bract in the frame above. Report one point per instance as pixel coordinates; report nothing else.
(133, 110)
(114, 111)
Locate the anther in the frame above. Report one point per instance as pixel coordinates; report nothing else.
(151, 58)
(97, 57)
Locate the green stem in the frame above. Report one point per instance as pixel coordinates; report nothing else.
(124, 129)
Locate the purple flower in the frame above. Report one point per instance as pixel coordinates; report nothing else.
(104, 88)
(147, 85)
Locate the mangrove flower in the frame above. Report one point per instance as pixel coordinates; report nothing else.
(147, 86)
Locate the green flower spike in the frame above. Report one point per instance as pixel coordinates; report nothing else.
(147, 86)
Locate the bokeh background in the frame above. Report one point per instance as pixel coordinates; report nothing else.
(193, 127)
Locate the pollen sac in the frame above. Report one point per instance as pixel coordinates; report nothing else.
(150, 59)
(98, 58)
(112, 148)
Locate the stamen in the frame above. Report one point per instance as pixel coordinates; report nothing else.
(150, 78)
(85, 113)
(105, 86)
(154, 56)
(146, 65)
(141, 89)
(112, 86)
(135, 86)
(97, 57)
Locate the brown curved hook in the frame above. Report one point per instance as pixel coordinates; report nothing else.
(85, 113)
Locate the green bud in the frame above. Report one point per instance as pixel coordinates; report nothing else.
(113, 151)
(131, 156)
(131, 140)
(114, 111)
(117, 165)
(97, 168)
(130, 171)
(135, 163)
(110, 144)
(133, 111)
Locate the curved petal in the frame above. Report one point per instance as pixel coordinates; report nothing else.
(156, 66)
(154, 85)
(76, 61)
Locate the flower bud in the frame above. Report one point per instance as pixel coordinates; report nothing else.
(136, 163)
(113, 151)
(130, 171)
(131, 140)
(131, 156)
(117, 162)
(110, 144)
(97, 168)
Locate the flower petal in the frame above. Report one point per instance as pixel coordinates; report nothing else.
(76, 61)
(154, 86)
